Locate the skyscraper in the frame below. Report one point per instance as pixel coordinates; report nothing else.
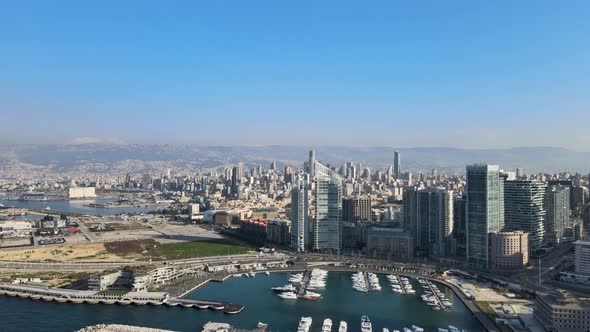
(311, 163)
(523, 209)
(299, 215)
(557, 208)
(459, 221)
(430, 220)
(396, 165)
(328, 210)
(485, 211)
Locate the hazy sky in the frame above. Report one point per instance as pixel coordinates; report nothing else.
(394, 73)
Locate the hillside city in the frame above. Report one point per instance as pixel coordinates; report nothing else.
(519, 235)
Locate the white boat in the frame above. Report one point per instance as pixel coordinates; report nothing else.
(416, 328)
(327, 326)
(267, 273)
(407, 329)
(288, 296)
(304, 324)
(286, 288)
(385, 329)
(453, 329)
(343, 327)
(366, 324)
(440, 329)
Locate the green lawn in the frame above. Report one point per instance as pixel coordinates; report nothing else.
(180, 250)
(196, 249)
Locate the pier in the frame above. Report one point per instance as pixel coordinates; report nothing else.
(92, 297)
(304, 283)
(434, 291)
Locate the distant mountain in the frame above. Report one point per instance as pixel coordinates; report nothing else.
(449, 160)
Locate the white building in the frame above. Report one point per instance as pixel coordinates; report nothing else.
(299, 215)
(82, 192)
(583, 256)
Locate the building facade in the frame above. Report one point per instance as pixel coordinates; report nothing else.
(396, 165)
(355, 209)
(485, 212)
(559, 311)
(328, 210)
(524, 209)
(510, 251)
(557, 208)
(390, 243)
(428, 216)
(582, 256)
(300, 215)
(278, 231)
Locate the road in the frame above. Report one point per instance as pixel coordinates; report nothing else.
(99, 265)
(87, 232)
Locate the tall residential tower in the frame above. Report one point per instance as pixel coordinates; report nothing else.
(485, 212)
(299, 215)
(328, 210)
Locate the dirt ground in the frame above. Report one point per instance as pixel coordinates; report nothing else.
(90, 251)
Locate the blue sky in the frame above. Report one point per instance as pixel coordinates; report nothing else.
(478, 74)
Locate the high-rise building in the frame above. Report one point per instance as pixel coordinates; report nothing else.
(396, 165)
(459, 223)
(328, 210)
(523, 209)
(510, 251)
(429, 214)
(390, 243)
(311, 163)
(357, 208)
(410, 210)
(299, 215)
(485, 211)
(557, 208)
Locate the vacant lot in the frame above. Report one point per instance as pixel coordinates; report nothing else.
(90, 251)
(142, 249)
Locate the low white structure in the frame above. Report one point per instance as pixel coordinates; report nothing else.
(82, 192)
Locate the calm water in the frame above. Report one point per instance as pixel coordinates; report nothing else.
(77, 206)
(340, 302)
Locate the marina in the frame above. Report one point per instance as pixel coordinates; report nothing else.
(261, 304)
(433, 296)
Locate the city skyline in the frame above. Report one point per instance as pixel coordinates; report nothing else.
(387, 72)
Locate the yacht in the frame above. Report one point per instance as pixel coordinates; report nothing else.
(416, 328)
(366, 324)
(453, 329)
(286, 288)
(288, 296)
(327, 327)
(385, 329)
(304, 324)
(343, 327)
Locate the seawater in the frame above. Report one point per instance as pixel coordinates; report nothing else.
(339, 302)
